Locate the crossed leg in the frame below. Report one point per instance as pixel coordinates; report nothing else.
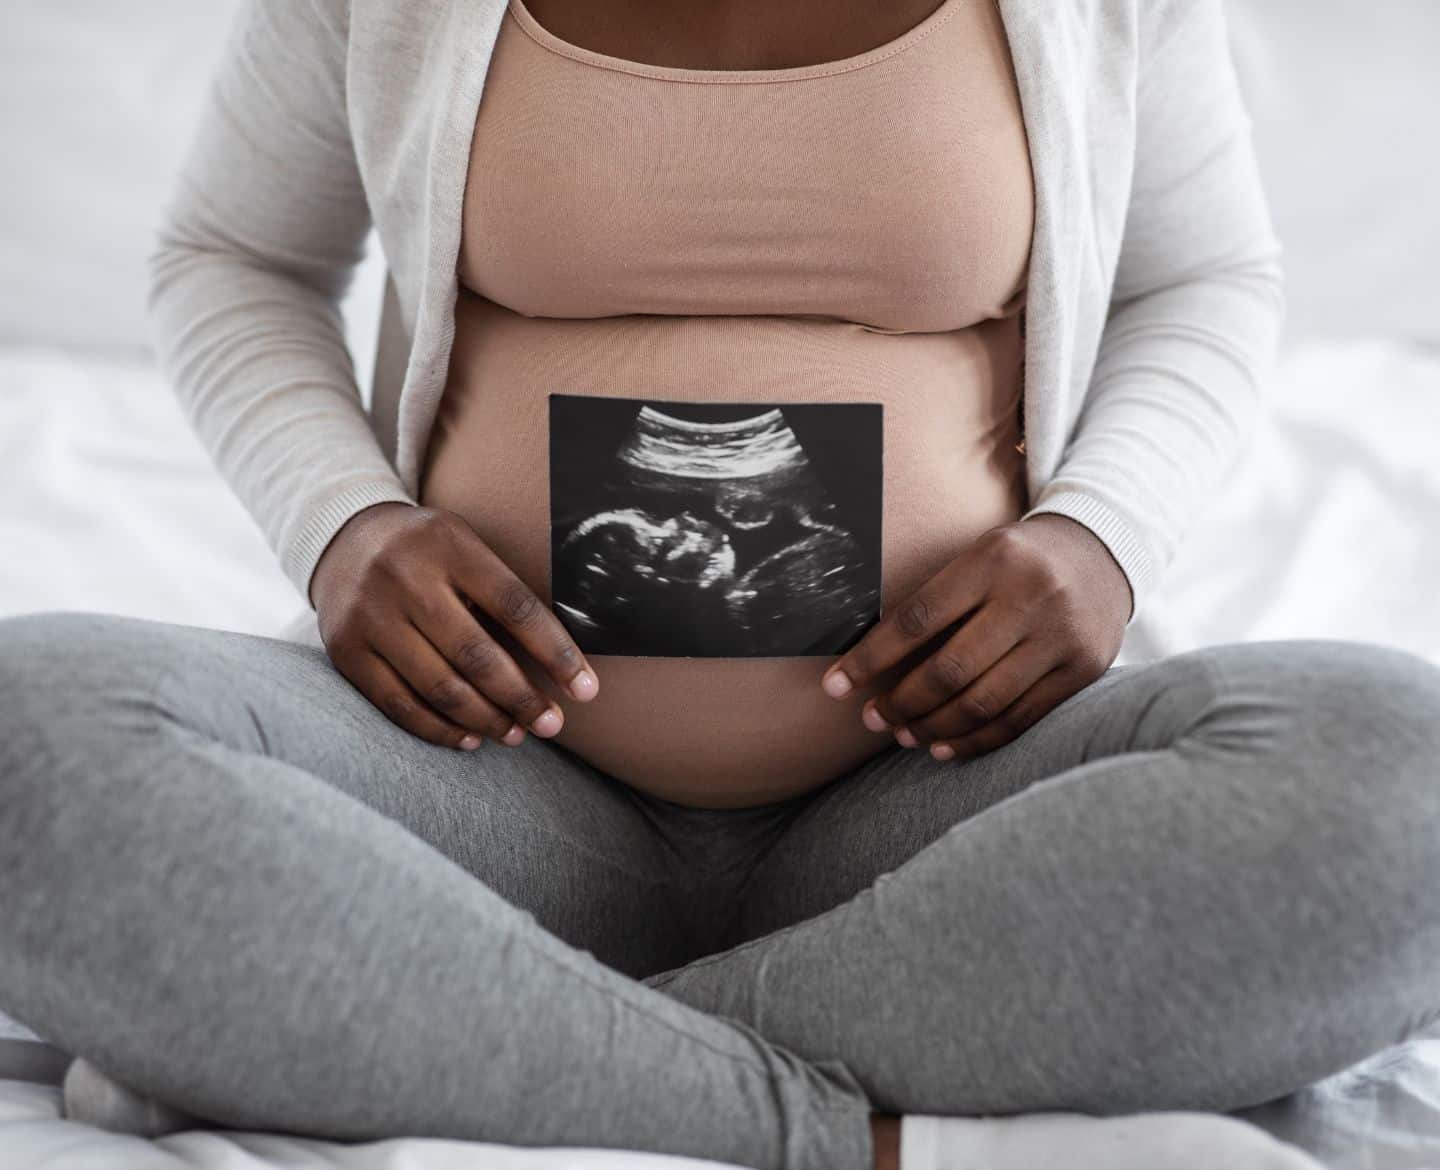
(1200, 883)
(238, 888)
(233, 885)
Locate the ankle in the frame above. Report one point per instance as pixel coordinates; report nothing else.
(885, 1135)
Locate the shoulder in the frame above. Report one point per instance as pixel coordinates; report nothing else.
(1120, 40)
(1179, 29)
(1134, 26)
(329, 18)
(1148, 18)
(301, 25)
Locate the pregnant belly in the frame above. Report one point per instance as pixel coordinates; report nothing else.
(716, 507)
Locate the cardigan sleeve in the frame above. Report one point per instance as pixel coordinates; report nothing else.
(256, 247)
(1195, 313)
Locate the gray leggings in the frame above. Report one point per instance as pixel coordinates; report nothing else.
(1202, 883)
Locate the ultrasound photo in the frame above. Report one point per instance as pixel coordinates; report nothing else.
(708, 530)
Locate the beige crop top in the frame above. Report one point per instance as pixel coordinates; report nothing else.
(737, 364)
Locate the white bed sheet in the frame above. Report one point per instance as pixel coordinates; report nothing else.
(33, 1136)
(1328, 527)
(1329, 524)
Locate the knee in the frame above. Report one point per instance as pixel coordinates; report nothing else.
(62, 673)
(45, 656)
(1382, 717)
(1392, 688)
(1339, 743)
(1373, 709)
(78, 696)
(1350, 710)
(1363, 756)
(30, 648)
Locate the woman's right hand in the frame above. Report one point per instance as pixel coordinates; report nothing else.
(393, 592)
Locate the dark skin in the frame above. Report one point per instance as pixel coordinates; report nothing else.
(730, 34)
(1029, 614)
(416, 610)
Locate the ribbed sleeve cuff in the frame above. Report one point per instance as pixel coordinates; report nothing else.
(1117, 535)
(303, 555)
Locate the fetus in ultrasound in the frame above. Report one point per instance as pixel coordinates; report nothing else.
(711, 531)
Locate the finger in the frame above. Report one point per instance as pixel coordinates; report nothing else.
(425, 670)
(490, 583)
(409, 650)
(948, 596)
(486, 665)
(379, 682)
(1047, 694)
(980, 642)
(988, 696)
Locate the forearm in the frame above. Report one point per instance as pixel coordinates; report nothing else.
(1196, 308)
(260, 367)
(1175, 396)
(260, 239)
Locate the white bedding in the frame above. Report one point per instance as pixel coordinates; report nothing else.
(33, 1136)
(1329, 527)
(1382, 1115)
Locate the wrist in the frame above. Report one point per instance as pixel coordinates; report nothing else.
(326, 516)
(1116, 531)
(352, 529)
(1102, 566)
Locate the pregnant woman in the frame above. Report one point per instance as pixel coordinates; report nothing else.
(704, 735)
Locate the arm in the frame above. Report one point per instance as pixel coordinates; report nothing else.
(1195, 313)
(1194, 319)
(256, 248)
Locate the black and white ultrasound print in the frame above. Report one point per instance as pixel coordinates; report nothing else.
(709, 530)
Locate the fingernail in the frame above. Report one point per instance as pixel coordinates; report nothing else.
(547, 724)
(906, 738)
(942, 751)
(874, 720)
(470, 743)
(513, 736)
(583, 686)
(837, 684)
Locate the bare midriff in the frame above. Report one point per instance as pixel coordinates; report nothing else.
(841, 233)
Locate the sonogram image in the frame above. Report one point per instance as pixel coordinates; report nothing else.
(681, 529)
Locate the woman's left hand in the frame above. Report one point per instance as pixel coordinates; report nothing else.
(1044, 607)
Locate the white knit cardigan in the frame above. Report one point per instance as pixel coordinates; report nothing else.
(1155, 286)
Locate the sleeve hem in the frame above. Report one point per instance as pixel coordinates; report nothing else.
(1114, 532)
(315, 535)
